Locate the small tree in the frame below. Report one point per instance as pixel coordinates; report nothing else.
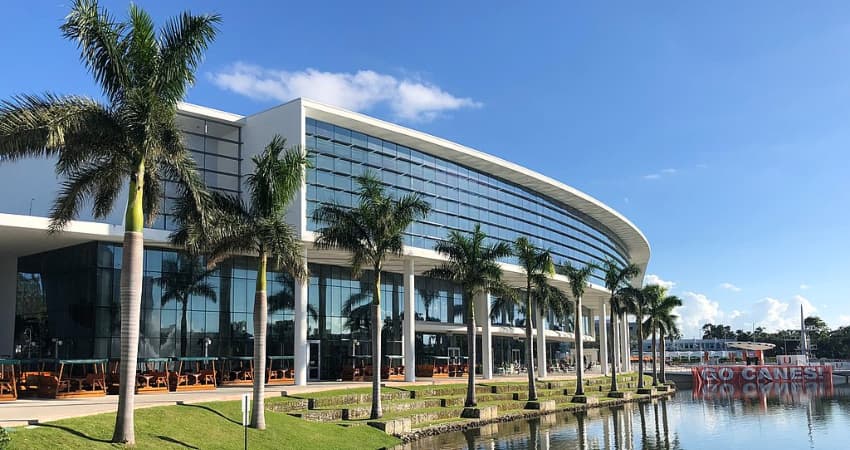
(181, 279)
(372, 231)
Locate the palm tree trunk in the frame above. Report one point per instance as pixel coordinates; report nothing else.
(579, 350)
(377, 411)
(613, 344)
(184, 332)
(470, 342)
(529, 345)
(639, 321)
(132, 263)
(261, 311)
(663, 378)
(654, 361)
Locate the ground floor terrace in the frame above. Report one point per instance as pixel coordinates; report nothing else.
(59, 296)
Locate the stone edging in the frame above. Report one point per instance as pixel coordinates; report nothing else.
(435, 430)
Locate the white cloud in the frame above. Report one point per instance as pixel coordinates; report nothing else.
(730, 287)
(843, 320)
(776, 314)
(702, 166)
(804, 286)
(409, 99)
(697, 310)
(655, 279)
(660, 173)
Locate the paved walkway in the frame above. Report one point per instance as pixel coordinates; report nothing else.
(27, 411)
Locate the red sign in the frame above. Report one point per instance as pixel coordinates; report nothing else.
(760, 374)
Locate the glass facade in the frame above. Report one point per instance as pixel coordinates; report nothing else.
(216, 148)
(73, 294)
(459, 196)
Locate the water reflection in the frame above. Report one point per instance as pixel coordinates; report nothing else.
(780, 417)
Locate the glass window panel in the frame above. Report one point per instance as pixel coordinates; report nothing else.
(191, 124)
(222, 148)
(223, 131)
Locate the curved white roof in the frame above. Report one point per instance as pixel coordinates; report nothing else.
(620, 227)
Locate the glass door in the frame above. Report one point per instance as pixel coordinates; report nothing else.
(314, 357)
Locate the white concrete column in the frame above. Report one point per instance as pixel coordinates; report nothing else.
(8, 300)
(592, 331)
(482, 319)
(615, 359)
(626, 352)
(409, 334)
(603, 340)
(541, 344)
(301, 348)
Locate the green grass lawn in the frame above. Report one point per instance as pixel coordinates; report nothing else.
(206, 426)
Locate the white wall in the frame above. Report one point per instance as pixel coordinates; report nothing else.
(8, 293)
(286, 120)
(36, 180)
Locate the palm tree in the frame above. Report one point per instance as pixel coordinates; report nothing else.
(129, 140)
(635, 302)
(182, 278)
(371, 231)
(616, 277)
(537, 265)
(667, 327)
(256, 227)
(659, 319)
(578, 278)
(473, 265)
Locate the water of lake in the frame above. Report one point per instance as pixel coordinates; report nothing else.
(773, 416)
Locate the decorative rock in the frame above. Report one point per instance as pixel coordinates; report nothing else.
(625, 395)
(395, 427)
(585, 399)
(647, 391)
(483, 413)
(546, 405)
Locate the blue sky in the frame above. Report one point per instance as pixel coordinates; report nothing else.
(720, 129)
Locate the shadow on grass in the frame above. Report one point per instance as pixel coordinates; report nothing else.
(218, 413)
(175, 441)
(74, 432)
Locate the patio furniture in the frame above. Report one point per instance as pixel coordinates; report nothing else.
(237, 371)
(73, 378)
(152, 375)
(194, 373)
(393, 370)
(279, 370)
(8, 380)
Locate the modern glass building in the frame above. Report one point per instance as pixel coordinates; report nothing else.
(65, 287)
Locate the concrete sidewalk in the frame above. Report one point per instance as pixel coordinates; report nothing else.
(27, 411)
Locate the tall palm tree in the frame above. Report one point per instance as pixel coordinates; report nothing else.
(578, 278)
(182, 278)
(537, 265)
(372, 231)
(659, 319)
(667, 327)
(616, 277)
(256, 227)
(472, 265)
(128, 140)
(635, 302)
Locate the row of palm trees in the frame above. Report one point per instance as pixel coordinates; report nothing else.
(130, 139)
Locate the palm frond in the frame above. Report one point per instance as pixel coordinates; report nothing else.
(102, 50)
(183, 41)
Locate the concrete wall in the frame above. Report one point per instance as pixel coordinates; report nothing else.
(258, 130)
(8, 294)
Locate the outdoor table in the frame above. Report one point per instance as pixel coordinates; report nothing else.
(73, 378)
(153, 375)
(8, 380)
(438, 368)
(279, 370)
(394, 369)
(202, 371)
(237, 370)
(360, 369)
(30, 373)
